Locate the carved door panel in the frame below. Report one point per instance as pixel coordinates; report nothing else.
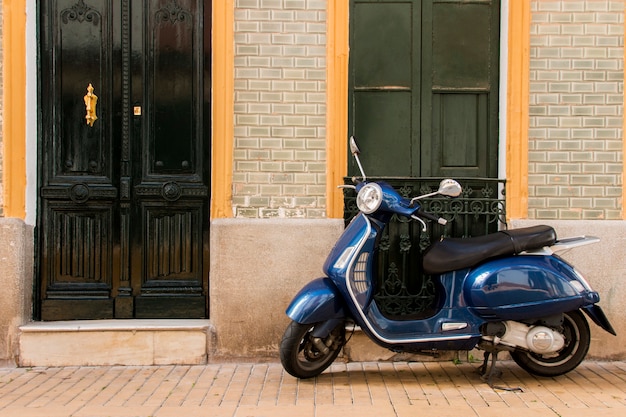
(123, 220)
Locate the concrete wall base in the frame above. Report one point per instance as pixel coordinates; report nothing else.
(257, 266)
(16, 281)
(116, 342)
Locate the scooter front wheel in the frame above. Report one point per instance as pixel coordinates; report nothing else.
(577, 340)
(305, 356)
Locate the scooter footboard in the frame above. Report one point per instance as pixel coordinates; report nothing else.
(318, 301)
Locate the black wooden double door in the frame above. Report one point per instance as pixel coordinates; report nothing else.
(124, 150)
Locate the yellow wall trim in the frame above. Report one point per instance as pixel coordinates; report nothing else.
(14, 108)
(517, 110)
(223, 108)
(336, 103)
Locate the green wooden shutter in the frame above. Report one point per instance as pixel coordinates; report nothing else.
(424, 87)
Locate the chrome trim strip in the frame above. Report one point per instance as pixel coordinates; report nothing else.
(362, 314)
(447, 327)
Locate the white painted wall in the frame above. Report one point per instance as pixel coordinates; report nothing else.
(31, 112)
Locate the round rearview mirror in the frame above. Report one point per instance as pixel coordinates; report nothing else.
(449, 188)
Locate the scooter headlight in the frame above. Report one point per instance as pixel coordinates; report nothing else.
(369, 198)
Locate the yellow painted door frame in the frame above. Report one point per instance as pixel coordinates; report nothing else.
(517, 106)
(14, 108)
(223, 90)
(517, 110)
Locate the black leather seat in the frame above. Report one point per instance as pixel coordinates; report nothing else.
(454, 253)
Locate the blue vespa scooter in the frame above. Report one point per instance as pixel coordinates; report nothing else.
(506, 291)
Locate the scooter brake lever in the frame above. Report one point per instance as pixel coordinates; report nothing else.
(355, 180)
(424, 227)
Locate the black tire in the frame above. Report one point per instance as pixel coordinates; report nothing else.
(299, 355)
(577, 340)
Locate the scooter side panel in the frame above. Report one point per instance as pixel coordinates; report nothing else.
(317, 301)
(521, 287)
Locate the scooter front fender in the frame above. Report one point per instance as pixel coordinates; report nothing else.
(318, 301)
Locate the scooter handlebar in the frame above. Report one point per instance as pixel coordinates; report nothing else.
(432, 217)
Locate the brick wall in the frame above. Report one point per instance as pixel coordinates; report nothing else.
(576, 109)
(280, 114)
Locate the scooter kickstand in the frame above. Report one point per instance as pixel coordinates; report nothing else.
(489, 371)
(482, 369)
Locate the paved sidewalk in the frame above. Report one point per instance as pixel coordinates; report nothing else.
(438, 389)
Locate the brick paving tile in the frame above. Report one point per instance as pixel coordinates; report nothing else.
(605, 380)
(464, 377)
(355, 411)
(65, 385)
(38, 412)
(28, 387)
(196, 411)
(172, 388)
(119, 387)
(595, 412)
(307, 410)
(374, 383)
(117, 411)
(84, 389)
(371, 389)
(537, 386)
(564, 390)
(452, 411)
(517, 412)
(271, 386)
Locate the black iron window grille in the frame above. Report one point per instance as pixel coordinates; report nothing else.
(402, 290)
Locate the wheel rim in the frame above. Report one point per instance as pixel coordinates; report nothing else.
(309, 356)
(571, 332)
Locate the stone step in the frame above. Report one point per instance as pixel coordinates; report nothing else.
(115, 342)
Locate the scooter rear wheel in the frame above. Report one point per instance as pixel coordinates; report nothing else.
(303, 356)
(577, 340)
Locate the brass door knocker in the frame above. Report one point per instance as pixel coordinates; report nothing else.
(90, 104)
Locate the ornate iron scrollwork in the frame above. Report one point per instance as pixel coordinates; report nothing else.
(80, 13)
(172, 13)
(403, 291)
(79, 193)
(171, 191)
